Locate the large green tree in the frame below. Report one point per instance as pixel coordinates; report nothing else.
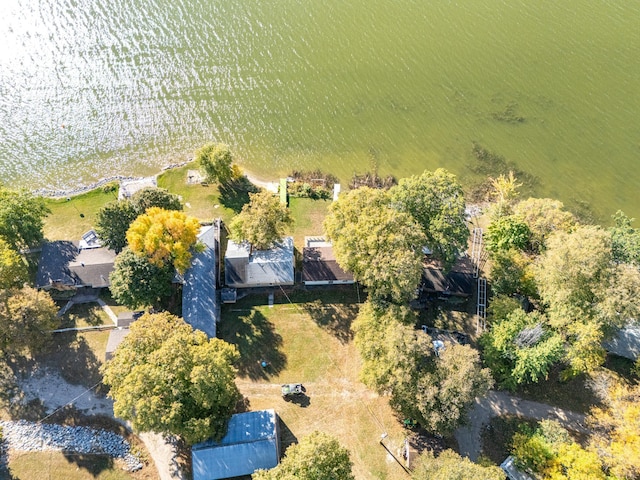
(543, 216)
(398, 360)
(136, 282)
(625, 240)
(586, 293)
(216, 161)
(451, 466)
(21, 218)
(113, 221)
(166, 377)
(13, 269)
(318, 456)
(521, 348)
(27, 317)
(149, 197)
(435, 200)
(165, 237)
(508, 232)
(262, 221)
(380, 245)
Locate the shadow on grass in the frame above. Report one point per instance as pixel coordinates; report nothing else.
(257, 341)
(336, 318)
(72, 357)
(235, 194)
(572, 394)
(88, 312)
(93, 464)
(287, 438)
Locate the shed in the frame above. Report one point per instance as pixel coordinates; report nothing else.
(64, 265)
(319, 265)
(625, 343)
(246, 268)
(200, 302)
(252, 442)
(513, 473)
(459, 281)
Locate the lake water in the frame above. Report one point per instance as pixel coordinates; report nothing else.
(91, 88)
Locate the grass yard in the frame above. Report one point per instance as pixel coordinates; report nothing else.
(69, 219)
(308, 216)
(41, 465)
(310, 342)
(202, 202)
(84, 315)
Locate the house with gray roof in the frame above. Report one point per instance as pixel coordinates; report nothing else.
(65, 265)
(246, 268)
(319, 265)
(200, 302)
(252, 442)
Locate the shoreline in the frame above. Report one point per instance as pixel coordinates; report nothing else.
(59, 193)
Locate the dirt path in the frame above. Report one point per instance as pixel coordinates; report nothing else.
(501, 403)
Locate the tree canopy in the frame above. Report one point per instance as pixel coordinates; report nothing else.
(216, 161)
(435, 200)
(27, 317)
(21, 218)
(543, 216)
(508, 232)
(113, 221)
(262, 221)
(164, 237)
(437, 391)
(13, 269)
(549, 451)
(381, 246)
(451, 466)
(149, 197)
(318, 456)
(616, 431)
(521, 348)
(136, 282)
(625, 240)
(166, 377)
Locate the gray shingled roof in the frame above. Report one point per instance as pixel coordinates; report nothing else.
(319, 265)
(63, 263)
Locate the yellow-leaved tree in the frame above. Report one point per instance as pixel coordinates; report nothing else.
(164, 236)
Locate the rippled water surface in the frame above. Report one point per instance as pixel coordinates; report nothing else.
(89, 88)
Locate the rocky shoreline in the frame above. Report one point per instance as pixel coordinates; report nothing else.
(60, 193)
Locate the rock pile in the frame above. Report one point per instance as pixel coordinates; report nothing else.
(29, 436)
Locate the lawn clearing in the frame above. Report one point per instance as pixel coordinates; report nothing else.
(202, 202)
(308, 216)
(85, 315)
(310, 343)
(69, 219)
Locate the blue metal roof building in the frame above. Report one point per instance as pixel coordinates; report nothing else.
(200, 303)
(252, 442)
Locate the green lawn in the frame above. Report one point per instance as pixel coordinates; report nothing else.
(308, 216)
(84, 315)
(309, 341)
(69, 219)
(41, 465)
(202, 202)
